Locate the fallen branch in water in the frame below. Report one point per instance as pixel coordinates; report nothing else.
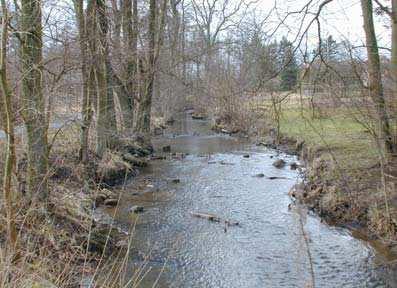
(209, 217)
(261, 175)
(278, 178)
(214, 218)
(225, 163)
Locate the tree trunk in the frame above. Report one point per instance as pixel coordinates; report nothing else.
(106, 115)
(86, 110)
(175, 33)
(375, 79)
(127, 95)
(145, 104)
(9, 124)
(394, 68)
(183, 44)
(33, 103)
(117, 19)
(3, 117)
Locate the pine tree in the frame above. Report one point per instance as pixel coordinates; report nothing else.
(288, 65)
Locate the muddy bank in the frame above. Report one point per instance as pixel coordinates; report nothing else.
(331, 193)
(342, 199)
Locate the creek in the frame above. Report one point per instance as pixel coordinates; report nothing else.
(274, 245)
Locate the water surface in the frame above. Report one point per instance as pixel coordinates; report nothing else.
(267, 249)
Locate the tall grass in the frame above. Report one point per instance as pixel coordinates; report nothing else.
(53, 248)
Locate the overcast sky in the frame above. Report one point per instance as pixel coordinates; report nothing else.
(341, 18)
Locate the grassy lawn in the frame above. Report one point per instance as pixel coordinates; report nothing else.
(348, 140)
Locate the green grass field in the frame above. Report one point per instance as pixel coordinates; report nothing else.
(348, 140)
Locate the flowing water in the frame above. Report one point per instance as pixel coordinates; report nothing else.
(274, 245)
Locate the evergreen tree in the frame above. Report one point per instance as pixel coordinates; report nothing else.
(288, 65)
(329, 50)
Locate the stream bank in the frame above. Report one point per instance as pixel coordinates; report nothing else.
(274, 245)
(148, 221)
(342, 179)
(323, 191)
(324, 188)
(64, 239)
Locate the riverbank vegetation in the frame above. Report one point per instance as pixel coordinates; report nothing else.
(347, 189)
(85, 85)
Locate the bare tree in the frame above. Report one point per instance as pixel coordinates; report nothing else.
(214, 17)
(9, 124)
(33, 103)
(127, 91)
(86, 110)
(375, 78)
(106, 114)
(145, 102)
(393, 70)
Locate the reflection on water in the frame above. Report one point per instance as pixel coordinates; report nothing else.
(267, 248)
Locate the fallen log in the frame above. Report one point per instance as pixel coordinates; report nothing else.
(261, 175)
(214, 218)
(209, 217)
(226, 163)
(276, 178)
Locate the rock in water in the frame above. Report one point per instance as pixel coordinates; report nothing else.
(260, 175)
(293, 166)
(246, 156)
(111, 202)
(167, 149)
(158, 131)
(134, 160)
(112, 169)
(298, 191)
(280, 163)
(170, 121)
(198, 116)
(135, 145)
(136, 209)
(231, 223)
(156, 157)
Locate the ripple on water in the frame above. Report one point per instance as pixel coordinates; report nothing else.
(267, 250)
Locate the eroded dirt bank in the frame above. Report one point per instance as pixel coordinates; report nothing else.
(340, 198)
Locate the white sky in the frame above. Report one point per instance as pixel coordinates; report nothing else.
(341, 18)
